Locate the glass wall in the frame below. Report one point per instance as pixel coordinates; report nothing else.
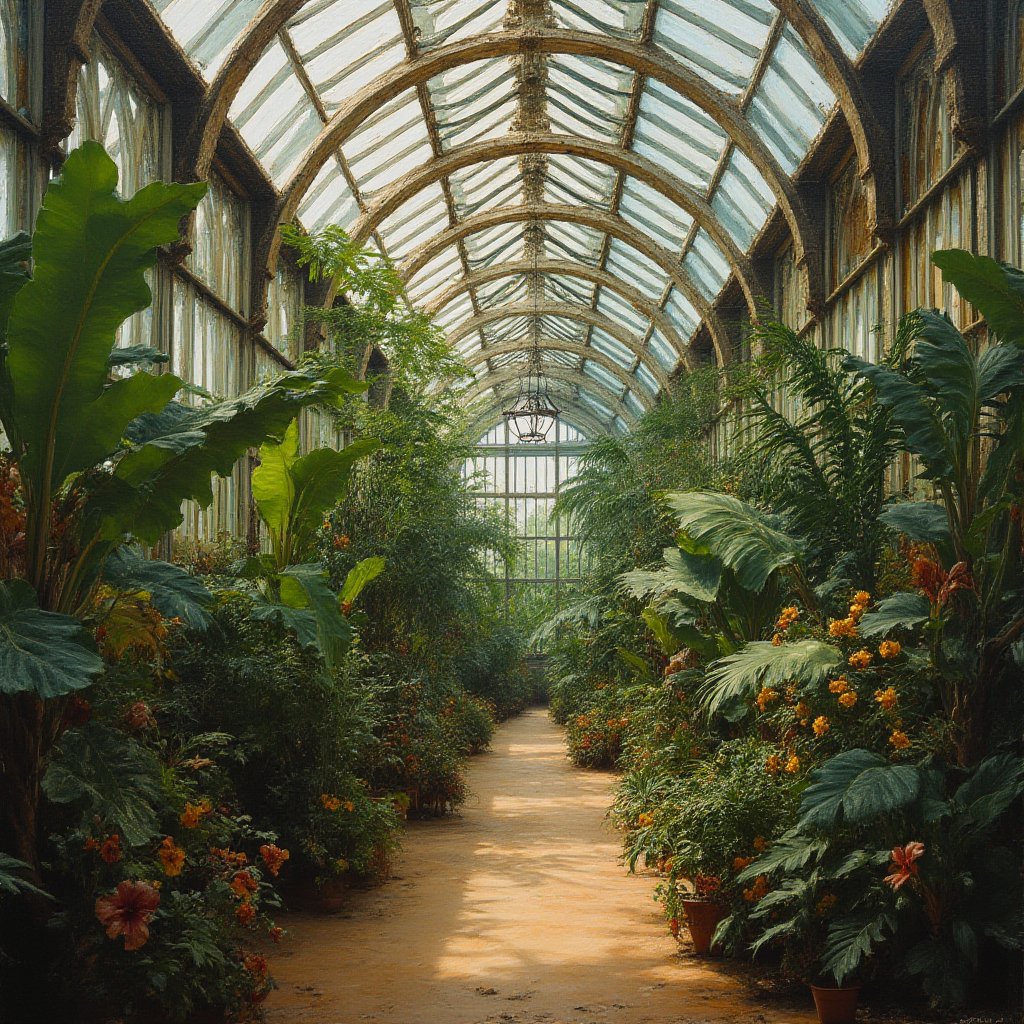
(522, 482)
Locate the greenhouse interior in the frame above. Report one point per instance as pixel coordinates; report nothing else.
(511, 511)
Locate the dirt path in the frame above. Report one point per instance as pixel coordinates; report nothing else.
(516, 912)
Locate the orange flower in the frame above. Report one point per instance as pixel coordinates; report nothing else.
(276, 934)
(229, 857)
(899, 739)
(707, 885)
(793, 764)
(645, 820)
(787, 617)
(245, 912)
(110, 851)
(821, 725)
(773, 765)
(243, 885)
(843, 629)
(840, 685)
(91, 844)
(766, 697)
(739, 863)
(127, 912)
(862, 597)
(758, 890)
(860, 659)
(777, 640)
(256, 965)
(330, 803)
(274, 857)
(889, 648)
(673, 927)
(848, 700)
(887, 698)
(172, 857)
(194, 813)
(760, 844)
(904, 864)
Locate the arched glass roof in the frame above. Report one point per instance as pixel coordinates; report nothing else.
(631, 149)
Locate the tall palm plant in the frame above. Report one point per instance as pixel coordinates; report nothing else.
(823, 465)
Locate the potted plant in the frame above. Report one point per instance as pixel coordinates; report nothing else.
(703, 911)
(836, 1004)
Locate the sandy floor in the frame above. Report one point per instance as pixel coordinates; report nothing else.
(516, 912)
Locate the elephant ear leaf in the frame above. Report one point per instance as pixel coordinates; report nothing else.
(173, 592)
(41, 652)
(361, 574)
(858, 786)
(739, 535)
(995, 289)
(91, 251)
(898, 611)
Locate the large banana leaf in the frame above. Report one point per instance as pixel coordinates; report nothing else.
(91, 251)
(41, 652)
(743, 538)
(995, 289)
(174, 454)
(293, 493)
(360, 575)
(898, 611)
(760, 663)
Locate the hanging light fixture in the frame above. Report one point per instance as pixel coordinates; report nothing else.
(532, 415)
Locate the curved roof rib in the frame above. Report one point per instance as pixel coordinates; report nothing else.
(629, 150)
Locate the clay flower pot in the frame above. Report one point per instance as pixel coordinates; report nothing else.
(702, 918)
(836, 1005)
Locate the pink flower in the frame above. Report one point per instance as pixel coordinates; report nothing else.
(903, 866)
(127, 911)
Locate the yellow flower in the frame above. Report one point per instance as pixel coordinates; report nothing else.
(821, 725)
(889, 648)
(857, 612)
(765, 697)
(773, 765)
(840, 685)
(793, 765)
(862, 597)
(899, 740)
(802, 710)
(848, 699)
(787, 617)
(887, 698)
(645, 820)
(843, 629)
(777, 640)
(860, 659)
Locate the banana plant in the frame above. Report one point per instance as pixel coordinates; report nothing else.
(292, 494)
(101, 458)
(961, 414)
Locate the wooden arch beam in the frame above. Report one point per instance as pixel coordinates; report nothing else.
(597, 219)
(671, 187)
(566, 268)
(644, 59)
(553, 372)
(566, 311)
(548, 344)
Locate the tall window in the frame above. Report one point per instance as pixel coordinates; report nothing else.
(19, 95)
(522, 483)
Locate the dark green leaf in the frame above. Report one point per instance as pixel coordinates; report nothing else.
(899, 611)
(995, 289)
(174, 593)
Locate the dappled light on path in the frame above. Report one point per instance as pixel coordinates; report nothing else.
(519, 911)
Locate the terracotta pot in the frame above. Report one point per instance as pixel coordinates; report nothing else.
(702, 918)
(836, 1005)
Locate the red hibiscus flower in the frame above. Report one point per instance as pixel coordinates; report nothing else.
(127, 911)
(904, 866)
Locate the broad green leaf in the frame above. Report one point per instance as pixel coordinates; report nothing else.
(988, 793)
(995, 289)
(923, 430)
(852, 939)
(663, 632)
(919, 520)
(175, 453)
(760, 663)
(899, 611)
(858, 785)
(1000, 369)
(137, 355)
(42, 652)
(273, 488)
(743, 538)
(681, 573)
(110, 776)
(300, 621)
(173, 592)
(941, 355)
(91, 250)
(305, 586)
(360, 575)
